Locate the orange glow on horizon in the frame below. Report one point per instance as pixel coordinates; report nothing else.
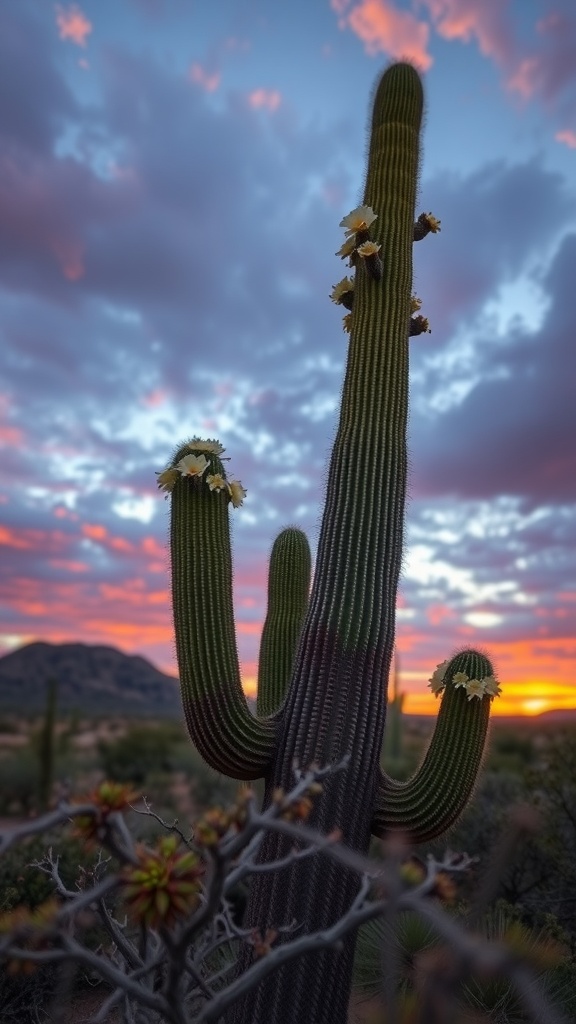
(132, 610)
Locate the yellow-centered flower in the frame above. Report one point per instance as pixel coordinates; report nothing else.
(216, 482)
(237, 492)
(475, 688)
(341, 289)
(167, 479)
(368, 249)
(459, 679)
(192, 465)
(436, 682)
(359, 219)
(211, 445)
(347, 248)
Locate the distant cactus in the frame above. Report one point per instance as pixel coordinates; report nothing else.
(392, 748)
(47, 744)
(331, 705)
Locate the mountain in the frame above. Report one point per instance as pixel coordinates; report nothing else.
(92, 680)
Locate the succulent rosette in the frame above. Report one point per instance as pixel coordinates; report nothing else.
(164, 886)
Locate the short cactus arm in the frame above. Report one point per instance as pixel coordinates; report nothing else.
(221, 726)
(435, 797)
(288, 592)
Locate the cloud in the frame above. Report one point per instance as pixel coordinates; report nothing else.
(383, 28)
(268, 98)
(73, 24)
(473, 19)
(513, 433)
(206, 235)
(35, 101)
(207, 80)
(484, 215)
(567, 136)
(543, 67)
(549, 71)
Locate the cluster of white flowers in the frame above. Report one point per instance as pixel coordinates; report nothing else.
(356, 227)
(195, 466)
(359, 246)
(487, 687)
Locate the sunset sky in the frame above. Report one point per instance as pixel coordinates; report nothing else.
(172, 179)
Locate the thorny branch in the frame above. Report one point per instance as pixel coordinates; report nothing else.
(180, 969)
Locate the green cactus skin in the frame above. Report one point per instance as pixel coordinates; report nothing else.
(434, 798)
(219, 721)
(288, 592)
(335, 701)
(47, 744)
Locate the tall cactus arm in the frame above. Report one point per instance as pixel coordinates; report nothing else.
(288, 591)
(435, 797)
(227, 735)
(335, 704)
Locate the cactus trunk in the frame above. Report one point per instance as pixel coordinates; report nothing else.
(332, 704)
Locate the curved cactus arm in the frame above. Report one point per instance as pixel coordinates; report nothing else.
(434, 798)
(226, 734)
(288, 592)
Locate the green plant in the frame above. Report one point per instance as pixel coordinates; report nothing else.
(18, 783)
(142, 750)
(330, 708)
(46, 744)
(415, 941)
(158, 921)
(392, 746)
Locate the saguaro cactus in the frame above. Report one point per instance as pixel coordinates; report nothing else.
(339, 644)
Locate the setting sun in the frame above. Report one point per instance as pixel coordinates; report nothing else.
(534, 706)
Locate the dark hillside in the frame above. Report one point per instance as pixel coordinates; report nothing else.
(92, 680)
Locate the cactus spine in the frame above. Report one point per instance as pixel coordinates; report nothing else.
(332, 702)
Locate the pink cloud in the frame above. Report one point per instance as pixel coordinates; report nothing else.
(34, 214)
(69, 564)
(121, 172)
(70, 256)
(552, 69)
(13, 539)
(544, 71)
(203, 78)
(568, 137)
(73, 24)
(11, 437)
(155, 398)
(268, 98)
(473, 19)
(524, 80)
(384, 28)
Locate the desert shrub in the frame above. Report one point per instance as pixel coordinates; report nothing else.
(146, 755)
(23, 884)
(149, 904)
(9, 726)
(18, 783)
(24, 998)
(510, 751)
(409, 942)
(143, 749)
